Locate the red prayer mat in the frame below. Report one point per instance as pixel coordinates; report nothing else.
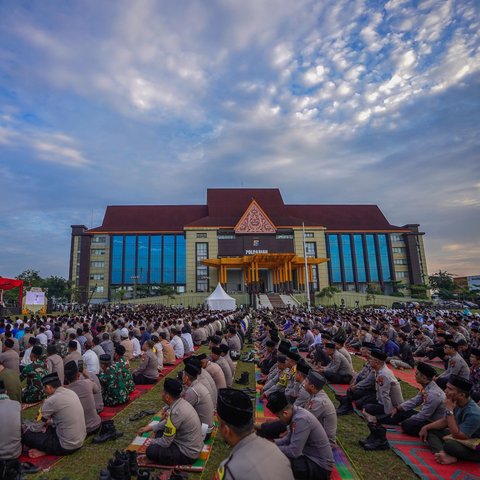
(420, 459)
(407, 376)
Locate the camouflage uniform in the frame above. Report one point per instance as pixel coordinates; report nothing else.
(62, 348)
(34, 372)
(126, 373)
(114, 391)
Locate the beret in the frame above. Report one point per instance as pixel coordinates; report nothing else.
(303, 367)
(192, 370)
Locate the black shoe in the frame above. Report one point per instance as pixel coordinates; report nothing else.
(143, 474)
(132, 462)
(345, 409)
(104, 475)
(371, 436)
(118, 469)
(379, 441)
(244, 379)
(107, 432)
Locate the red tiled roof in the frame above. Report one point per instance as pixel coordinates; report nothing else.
(149, 218)
(225, 207)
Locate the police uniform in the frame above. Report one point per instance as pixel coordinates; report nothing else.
(338, 370)
(456, 366)
(388, 393)
(198, 397)
(323, 409)
(182, 440)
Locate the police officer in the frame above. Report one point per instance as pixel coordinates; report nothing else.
(456, 365)
(338, 370)
(179, 440)
(388, 391)
(196, 394)
(252, 457)
(306, 444)
(431, 399)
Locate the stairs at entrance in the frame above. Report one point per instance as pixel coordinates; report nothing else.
(276, 300)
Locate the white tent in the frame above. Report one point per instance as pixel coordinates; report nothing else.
(220, 300)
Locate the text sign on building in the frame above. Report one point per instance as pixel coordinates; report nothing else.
(254, 252)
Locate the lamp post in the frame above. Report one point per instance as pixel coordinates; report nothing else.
(307, 286)
(135, 280)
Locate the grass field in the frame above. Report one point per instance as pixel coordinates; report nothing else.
(87, 463)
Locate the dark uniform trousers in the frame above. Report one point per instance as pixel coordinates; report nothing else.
(305, 469)
(320, 356)
(409, 425)
(272, 430)
(141, 379)
(168, 456)
(337, 378)
(47, 442)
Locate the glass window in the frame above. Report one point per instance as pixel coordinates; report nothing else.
(400, 261)
(142, 259)
(99, 289)
(284, 236)
(309, 234)
(169, 259)
(396, 238)
(372, 258)
(401, 250)
(311, 248)
(400, 275)
(384, 260)
(130, 247)
(99, 239)
(226, 236)
(347, 258)
(97, 276)
(360, 258)
(335, 259)
(96, 264)
(201, 253)
(181, 259)
(155, 259)
(98, 251)
(201, 235)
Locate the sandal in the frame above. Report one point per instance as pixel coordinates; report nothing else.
(141, 414)
(29, 467)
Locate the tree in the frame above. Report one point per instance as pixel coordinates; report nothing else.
(57, 288)
(442, 281)
(398, 285)
(419, 291)
(328, 292)
(31, 278)
(372, 290)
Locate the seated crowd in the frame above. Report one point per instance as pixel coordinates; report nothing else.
(84, 362)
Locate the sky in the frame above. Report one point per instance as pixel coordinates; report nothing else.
(152, 102)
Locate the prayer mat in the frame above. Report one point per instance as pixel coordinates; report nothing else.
(262, 413)
(343, 469)
(45, 463)
(140, 444)
(26, 406)
(420, 459)
(407, 376)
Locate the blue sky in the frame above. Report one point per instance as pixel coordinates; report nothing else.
(152, 102)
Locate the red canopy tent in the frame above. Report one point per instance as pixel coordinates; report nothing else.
(9, 283)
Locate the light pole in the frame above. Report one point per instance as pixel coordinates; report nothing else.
(135, 280)
(307, 286)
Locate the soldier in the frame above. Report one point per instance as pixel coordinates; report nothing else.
(431, 399)
(320, 405)
(122, 366)
(388, 391)
(306, 444)
(456, 365)
(180, 441)
(114, 391)
(196, 394)
(265, 461)
(34, 372)
(338, 370)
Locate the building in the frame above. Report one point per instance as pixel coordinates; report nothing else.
(472, 282)
(249, 240)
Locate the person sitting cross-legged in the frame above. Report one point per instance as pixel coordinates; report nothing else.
(461, 424)
(63, 417)
(179, 439)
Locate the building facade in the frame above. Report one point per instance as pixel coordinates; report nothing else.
(248, 240)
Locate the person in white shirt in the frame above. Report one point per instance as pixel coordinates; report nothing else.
(177, 344)
(48, 333)
(188, 337)
(26, 360)
(42, 338)
(137, 349)
(90, 360)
